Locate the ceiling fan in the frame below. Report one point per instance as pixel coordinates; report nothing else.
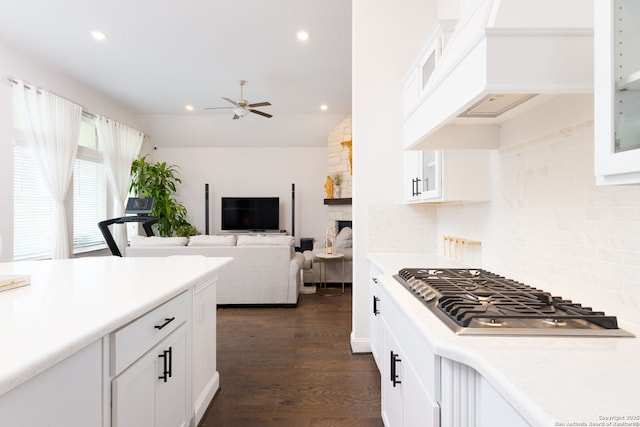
(241, 107)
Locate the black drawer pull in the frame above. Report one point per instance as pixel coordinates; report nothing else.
(395, 358)
(375, 305)
(167, 365)
(166, 322)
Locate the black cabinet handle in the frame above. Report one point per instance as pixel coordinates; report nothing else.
(167, 365)
(375, 305)
(394, 375)
(415, 189)
(166, 322)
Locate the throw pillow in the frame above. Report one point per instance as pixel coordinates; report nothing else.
(205, 240)
(344, 239)
(143, 242)
(262, 240)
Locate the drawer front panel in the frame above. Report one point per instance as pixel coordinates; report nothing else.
(133, 340)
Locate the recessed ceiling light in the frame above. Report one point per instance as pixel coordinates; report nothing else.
(98, 35)
(303, 35)
(189, 107)
(324, 107)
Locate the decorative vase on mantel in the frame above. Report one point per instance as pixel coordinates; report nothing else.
(337, 181)
(328, 187)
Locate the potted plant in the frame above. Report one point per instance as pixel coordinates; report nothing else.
(159, 180)
(337, 181)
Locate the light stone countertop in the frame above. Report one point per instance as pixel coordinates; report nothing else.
(550, 381)
(72, 303)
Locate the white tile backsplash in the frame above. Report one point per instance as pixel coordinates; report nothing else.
(403, 229)
(551, 227)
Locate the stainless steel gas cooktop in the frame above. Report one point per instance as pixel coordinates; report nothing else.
(478, 302)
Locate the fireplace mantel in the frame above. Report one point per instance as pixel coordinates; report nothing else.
(338, 201)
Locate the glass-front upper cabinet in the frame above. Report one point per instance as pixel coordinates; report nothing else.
(423, 175)
(438, 176)
(617, 91)
(431, 173)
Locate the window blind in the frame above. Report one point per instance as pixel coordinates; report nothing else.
(32, 208)
(89, 205)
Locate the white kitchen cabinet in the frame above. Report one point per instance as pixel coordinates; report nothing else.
(405, 399)
(151, 359)
(437, 176)
(493, 410)
(206, 380)
(424, 170)
(69, 394)
(393, 379)
(617, 91)
(415, 82)
(467, 399)
(458, 394)
(153, 391)
(409, 369)
(375, 319)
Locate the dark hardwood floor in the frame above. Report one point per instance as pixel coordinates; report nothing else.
(293, 367)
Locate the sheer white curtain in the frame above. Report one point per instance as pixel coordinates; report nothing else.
(120, 145)
(51, 126)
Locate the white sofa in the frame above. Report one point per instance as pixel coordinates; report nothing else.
(265, 269)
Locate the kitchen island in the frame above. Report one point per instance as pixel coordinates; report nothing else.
(541, 381)
(81, 308)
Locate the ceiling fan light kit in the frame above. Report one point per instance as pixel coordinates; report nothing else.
(241, 112)
(241, 107)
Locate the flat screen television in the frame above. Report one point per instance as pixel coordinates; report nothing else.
(250, 213)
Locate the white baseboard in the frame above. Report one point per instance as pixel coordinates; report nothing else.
(360, 345)
(202, 402)
(308, 289)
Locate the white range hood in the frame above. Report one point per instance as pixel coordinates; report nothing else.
(503, 58)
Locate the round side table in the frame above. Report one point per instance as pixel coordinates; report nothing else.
(322, 260)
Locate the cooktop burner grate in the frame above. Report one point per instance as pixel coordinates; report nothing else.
(475, 299)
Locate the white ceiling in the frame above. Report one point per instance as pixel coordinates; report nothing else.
(161, 55)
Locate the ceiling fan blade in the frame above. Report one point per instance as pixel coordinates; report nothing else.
(230, 100)
(259, 104)
(217, 108)
(261, 113)
(236, 117)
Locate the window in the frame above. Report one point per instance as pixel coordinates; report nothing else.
(89, 192)
(33, 206)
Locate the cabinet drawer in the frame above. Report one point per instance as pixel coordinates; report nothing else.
(133, 340)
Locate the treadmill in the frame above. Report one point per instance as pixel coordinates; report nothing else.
(138, 209)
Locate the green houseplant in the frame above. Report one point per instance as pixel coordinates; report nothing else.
(159, 180)
(337, 182)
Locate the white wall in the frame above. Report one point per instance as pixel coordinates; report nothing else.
(261, 172)
(386, 38)
(17, 65)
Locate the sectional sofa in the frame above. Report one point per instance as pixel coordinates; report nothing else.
(265, 268)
